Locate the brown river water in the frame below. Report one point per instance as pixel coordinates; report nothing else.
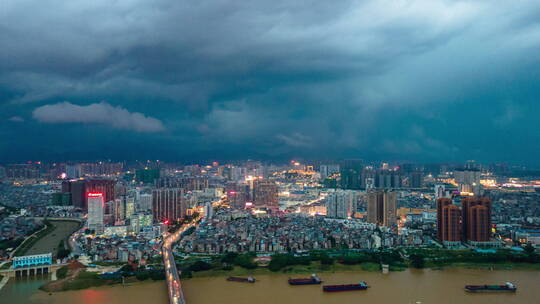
(410, 286)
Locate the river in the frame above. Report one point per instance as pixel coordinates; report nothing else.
(410, 286)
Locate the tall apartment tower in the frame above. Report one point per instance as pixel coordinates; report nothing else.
(441, 203)
(168, 204)
(472, 222)
(477, 226)
(382, 207)
(265, 194)
(450, 227)
(96, 204)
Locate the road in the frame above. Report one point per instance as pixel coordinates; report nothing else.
(174, 286)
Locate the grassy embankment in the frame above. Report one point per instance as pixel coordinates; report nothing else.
(33, 239)
(502, 259)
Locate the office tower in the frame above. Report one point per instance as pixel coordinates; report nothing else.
(168, 204)
(382, 207)
(95, 211)
(476, 225)
(265, 194)
(450, 227)
(351, 174)
(441, 203)
(104, 186)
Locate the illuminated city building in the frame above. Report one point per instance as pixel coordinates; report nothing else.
(382, 206)
(96, 205)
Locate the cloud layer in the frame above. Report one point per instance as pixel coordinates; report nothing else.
(101, 113)
(406, 80)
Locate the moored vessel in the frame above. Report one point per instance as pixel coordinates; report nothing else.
(249, 279)
(507, 287)
(346, 287)
(314, 279)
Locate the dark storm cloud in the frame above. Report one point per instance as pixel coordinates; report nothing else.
(277, 78)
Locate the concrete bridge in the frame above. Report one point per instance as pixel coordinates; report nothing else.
(174, 286)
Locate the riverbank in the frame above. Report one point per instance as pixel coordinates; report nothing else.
(364, 267)
(408, 286)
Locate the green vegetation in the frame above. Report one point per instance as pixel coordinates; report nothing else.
(85, 280)
(12, 243)
(417, 260)
(32, 240)
(62, 272)
(6, 265)
(502, 258)
(62, 251)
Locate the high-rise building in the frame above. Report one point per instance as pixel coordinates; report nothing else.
(473, 220)
(168, 204)
(474, 226)
(147, 175)
(468, 180)
(237, 194)
(95, 211)
(105, 186)
(341, 204)
(73, 171)
(478, 227)
(450, 228)
(188, 183)
(265, 194)
(441, 203)
(328, 170)
(440, 191)
(382, 206)
(416, 179)
(208, 210)
(351, 174)
(145, 202)
(77, 189)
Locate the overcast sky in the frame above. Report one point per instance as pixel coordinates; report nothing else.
(380, 80)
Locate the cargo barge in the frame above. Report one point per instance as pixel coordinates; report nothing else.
(314, 279)
(507, 287)
(249, 279)
(335, 288)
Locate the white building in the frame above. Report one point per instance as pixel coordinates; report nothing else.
(144, 202)
(95, 212)
(341, 204)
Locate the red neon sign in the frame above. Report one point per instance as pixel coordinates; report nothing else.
(95, 194)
